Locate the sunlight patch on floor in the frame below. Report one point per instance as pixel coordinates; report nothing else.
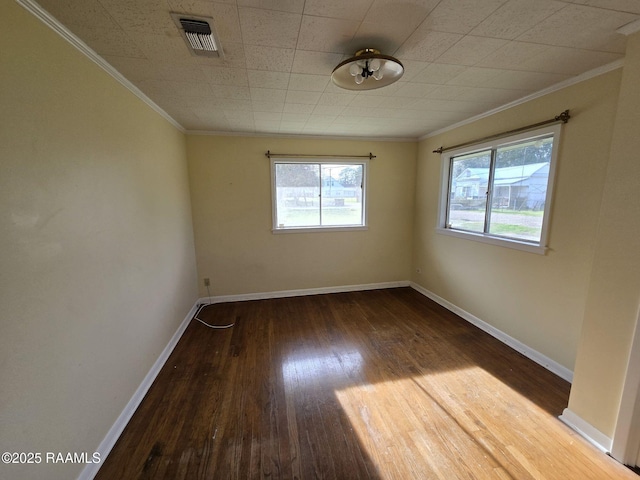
(447, 424)
(300, 369)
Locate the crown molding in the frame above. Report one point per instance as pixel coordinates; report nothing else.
(46, 18)
(553, 88)
(301, 136)
(51, 22)
(630, 28)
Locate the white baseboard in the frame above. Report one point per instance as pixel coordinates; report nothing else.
(586, 430)
(116, 430)
(583, 428)
(517, 345)
(91, 469)
(301, 292)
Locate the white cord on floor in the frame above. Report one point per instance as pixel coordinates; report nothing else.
(205, 323)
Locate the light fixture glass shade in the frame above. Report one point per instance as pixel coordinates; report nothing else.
(367, 70)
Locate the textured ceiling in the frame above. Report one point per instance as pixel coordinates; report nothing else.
(461, 58)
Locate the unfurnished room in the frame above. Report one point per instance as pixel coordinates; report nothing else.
(367, 239)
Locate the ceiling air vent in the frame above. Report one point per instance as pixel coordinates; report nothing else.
(198, 34)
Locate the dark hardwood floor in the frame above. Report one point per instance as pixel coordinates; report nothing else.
(381, 384)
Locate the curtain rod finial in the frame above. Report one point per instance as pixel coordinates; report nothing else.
(439, 150)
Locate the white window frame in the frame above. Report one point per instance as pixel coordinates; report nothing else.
(318, 228)
(533, 247)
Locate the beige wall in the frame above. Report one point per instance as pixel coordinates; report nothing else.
(231, 197)
(614, 291)
(537, 299)
(97, 265)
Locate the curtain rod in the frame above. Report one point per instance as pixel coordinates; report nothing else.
(563, 117)
(371, 156)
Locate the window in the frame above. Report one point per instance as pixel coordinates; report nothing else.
(318, 195)
(500, 192)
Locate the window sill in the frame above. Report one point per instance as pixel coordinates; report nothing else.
(501, 242)
(278, 231)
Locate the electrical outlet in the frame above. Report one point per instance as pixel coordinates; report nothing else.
(206, 282)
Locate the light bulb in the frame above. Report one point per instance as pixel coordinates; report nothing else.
(377, 74)
(374, 65)
(354, 69)
(359, 79)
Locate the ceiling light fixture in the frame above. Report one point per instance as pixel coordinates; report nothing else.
(366, 70)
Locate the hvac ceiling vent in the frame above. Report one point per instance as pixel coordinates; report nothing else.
(199, 35)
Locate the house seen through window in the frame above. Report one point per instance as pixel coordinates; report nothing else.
(308, 195)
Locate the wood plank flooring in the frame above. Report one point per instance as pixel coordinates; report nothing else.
(381, 384)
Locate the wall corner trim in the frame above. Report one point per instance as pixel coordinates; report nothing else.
(91, 469)
(586, 430)
(539, 358)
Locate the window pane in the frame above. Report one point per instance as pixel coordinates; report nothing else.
(297, 194)
(467, 202)
(341, 194)
(520, 189)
